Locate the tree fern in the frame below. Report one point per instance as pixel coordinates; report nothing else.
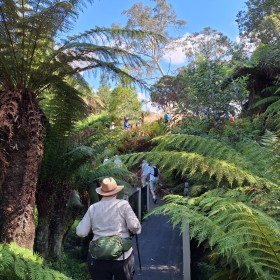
(35, 56)
(89, 175)
(19, 263)
(191, 163)
(272, 101)
(245, 237)
(252, 157)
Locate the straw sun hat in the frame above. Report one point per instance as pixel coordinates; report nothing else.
(108, 187)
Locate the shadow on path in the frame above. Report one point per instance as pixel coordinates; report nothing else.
(160, 249)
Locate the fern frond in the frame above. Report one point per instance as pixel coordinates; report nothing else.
(235, 231)
(248, 155)
(191, 163)
(274, 108)
(20, 263)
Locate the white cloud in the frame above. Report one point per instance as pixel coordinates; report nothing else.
(176, 56)
(174, 52)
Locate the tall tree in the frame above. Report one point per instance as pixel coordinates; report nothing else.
(124, 103)
(170, 92)
(158, 20)
(260, 21)
(30, 62)
(207, 45)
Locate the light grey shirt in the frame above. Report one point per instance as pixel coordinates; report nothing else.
(145, 169)
(110, 216)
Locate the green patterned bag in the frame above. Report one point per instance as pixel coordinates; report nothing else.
(109, 247)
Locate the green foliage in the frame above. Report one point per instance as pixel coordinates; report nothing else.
(207, 45)
(124, 103)
(94, 121)
(154, 129)
(19, 263)
(242, 238)
(271, 102)
(204, 87)
(73, 266)
(188, 155)
(168, 93)
(193, 126)
(260, 20)
(243, 129)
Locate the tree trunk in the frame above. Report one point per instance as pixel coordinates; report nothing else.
(21, 152)
(45, 199)
(55, 218)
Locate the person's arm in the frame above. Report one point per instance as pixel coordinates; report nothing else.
(84, 227)
(132, 221)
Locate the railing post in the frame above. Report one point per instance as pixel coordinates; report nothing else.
(186, 255)
(139, 204)
(148, 198)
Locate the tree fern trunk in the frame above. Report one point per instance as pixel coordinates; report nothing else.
(45, 207)
(61, 223)
(53, 219)
(21, 151)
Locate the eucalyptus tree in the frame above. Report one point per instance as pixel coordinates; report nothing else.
(33, 59)
(209, 54)
(160, 20)
(207, 45)
(198, 86)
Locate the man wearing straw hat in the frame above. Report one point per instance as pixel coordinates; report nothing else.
(108, 217)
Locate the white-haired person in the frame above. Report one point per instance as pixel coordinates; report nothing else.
(153, 181)
(110, 217)
(145, 170)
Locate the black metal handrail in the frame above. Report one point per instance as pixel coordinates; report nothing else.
(139, 202)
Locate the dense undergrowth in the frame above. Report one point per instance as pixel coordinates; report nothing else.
(234, 183)
(232, 209)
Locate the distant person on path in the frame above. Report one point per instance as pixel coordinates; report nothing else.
(105, 159)
(108, 217)
(138, 123)
(126, 124)
(171, 116)
(112, 126)
(145, 170)
(166, 118)
(231, 118)
(118, 162)
(153, 181)
(142, 118)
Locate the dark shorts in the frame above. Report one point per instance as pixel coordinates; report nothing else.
(105, 270)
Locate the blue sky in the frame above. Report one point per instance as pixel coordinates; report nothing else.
(218, 14)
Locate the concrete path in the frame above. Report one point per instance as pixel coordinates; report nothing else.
(160, 249)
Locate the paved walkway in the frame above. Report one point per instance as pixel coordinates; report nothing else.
(160, 249)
